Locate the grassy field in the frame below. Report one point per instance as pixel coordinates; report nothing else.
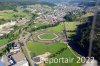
(3, 41)
(36, 25)
(57, 28)
(47, 36)
(39, 48)
(65, 54)
(87, 15)
(71, 25)
(9, 14)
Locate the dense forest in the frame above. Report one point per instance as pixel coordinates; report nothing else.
(96, 46)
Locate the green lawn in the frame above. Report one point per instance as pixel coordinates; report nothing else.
(71, 25)
(48, 36)
(87, 15)
(8, 15)
(39, 48)
(36, 25)
(3, 41)
(57, 28)
(65, 54)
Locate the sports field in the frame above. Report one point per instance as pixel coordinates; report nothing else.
(47, 36)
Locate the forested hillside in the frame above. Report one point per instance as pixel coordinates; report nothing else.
(82, 37)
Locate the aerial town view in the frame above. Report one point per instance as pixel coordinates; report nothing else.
(49, 32)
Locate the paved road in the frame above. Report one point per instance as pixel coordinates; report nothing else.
(24, 40)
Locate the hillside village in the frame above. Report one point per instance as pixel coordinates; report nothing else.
(55, 14)
(42, 33)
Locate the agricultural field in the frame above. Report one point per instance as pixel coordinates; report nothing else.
(58, 28)
(71, 25)
(68, 53)
(87, 15)
(71, 28)
(37, 46)
(8, 15)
